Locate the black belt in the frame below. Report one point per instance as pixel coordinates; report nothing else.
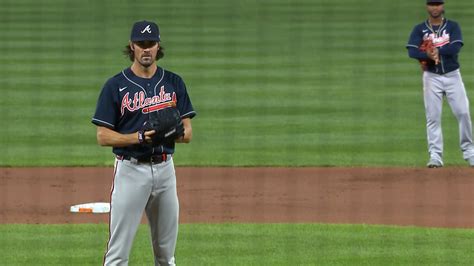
(154, 159)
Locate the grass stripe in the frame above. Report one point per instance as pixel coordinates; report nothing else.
(246, 244)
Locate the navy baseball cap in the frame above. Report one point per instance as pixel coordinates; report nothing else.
(434, 2)
(145, 31)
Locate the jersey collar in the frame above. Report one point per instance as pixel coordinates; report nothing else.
(128, 71)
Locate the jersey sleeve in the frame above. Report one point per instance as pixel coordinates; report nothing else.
(107, 112)
(416, 38)
(184, 104)
(456, 35)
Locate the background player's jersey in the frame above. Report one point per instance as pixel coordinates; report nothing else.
(443, 36)
(126, 100)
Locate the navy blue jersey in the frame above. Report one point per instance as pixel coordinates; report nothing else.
(126, 100)
(447, 37)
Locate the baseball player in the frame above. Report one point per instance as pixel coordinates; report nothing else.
(442, 42)
(144, 174)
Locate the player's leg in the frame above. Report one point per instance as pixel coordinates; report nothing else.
(162, 211)
(459, 103)
(131, 189)
(433, 99)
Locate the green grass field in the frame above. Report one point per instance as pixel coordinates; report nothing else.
(275, 83)
(299, 83)
(246, 244)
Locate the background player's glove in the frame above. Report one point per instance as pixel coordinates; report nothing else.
(167, 124)
(428, 47)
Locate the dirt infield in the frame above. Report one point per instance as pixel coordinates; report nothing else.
(395, 196)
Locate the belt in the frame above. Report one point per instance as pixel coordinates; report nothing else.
(154, 159)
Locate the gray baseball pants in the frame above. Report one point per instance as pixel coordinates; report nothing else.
(434, 88)
(137, 188)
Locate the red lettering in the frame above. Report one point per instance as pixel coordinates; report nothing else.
(125, 104)
(147, 104)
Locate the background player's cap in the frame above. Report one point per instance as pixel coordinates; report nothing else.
(145, 31)
(434, 1)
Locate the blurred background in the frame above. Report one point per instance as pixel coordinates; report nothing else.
(275, 83)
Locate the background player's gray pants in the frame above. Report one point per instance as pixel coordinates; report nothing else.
(450, 85)
(139, 187)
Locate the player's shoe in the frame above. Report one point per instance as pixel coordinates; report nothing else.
(434, 163)
(471, 161)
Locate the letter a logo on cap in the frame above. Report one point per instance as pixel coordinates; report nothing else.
(144, 31)
(147, 29)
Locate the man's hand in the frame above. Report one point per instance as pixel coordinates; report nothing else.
(145, 136)
(433, 54)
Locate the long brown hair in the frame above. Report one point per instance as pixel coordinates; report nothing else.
(129, 52)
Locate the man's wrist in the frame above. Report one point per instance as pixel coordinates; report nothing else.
(141, 136)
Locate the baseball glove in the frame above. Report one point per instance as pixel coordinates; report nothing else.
(167, 124)
(428, 47)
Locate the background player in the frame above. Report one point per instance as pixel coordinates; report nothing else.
(441, 77)
(144, 174)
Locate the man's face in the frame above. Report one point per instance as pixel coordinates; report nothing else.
(435, 9)
(145, 52)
